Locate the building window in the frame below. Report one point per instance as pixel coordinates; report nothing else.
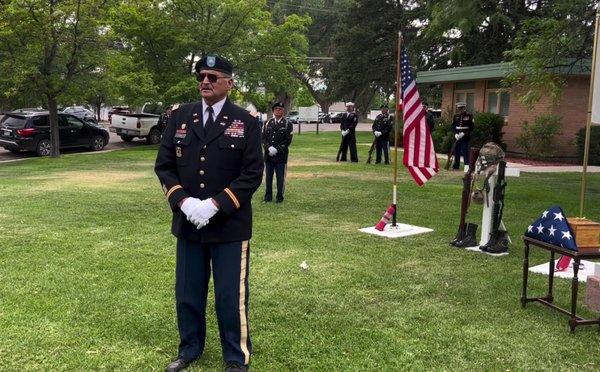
(498, 99)
(464, 91)
(466, 97)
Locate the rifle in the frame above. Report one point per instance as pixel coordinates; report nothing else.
(451, 155)
(498, 240)
(466, 197)
(371, 151)
(337, 157)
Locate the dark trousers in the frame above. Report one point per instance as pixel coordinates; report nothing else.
(382, 145)
(461, 149)
(349, 141)
(279, 170)
(229, 263)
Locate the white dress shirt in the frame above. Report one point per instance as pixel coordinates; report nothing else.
(217, 107)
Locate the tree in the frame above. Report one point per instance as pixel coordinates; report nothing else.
(539, 38)
(557, 40)
(365, 59)
(46, 44)
(326, 18)
(167, 38)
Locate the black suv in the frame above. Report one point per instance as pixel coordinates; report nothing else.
(30, 131)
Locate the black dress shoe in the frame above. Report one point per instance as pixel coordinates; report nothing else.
(279, 200)
(235, 367)
(178, 364)
(267, 200)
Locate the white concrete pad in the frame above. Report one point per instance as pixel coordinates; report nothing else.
(476, 249)
(401, 230)
(586, 269)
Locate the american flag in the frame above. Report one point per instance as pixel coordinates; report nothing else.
(552, 227)
(419, 154)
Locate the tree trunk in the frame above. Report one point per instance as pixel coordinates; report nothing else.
(324, 106)
(54, 133)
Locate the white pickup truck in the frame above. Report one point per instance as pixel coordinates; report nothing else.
(147, 124)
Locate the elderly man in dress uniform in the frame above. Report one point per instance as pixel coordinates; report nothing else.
(209, 164)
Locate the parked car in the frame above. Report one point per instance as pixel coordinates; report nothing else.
(81, 113)
(325, 118)
(30, 131)
(337, 118)
(292, 117)
(147, 124)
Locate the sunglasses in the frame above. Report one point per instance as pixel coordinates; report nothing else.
(212, 78)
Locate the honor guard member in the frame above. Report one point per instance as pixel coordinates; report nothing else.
(429, 118)
(348, 128)
(276, 139)
(382, 127)
(462, 126)
(209, 164)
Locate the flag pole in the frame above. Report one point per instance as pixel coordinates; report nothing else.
(589, 119)
(396, 125)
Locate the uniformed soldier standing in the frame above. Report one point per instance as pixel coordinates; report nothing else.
(348, 128)
(429, 118)
(276, 139)
(382, 127)
(462, 126)
(209, 164)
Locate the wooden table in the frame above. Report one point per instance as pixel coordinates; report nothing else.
(548, 300)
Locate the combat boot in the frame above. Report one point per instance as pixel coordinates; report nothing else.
(470, 238)
(460, 235)
(497, 245)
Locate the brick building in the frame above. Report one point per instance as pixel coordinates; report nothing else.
(480, 88)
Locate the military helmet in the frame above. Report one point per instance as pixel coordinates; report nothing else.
(489, 155)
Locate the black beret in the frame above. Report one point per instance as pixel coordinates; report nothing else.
(384, 106)
(277, 104)
(214, 62)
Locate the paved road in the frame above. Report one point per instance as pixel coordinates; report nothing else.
(115, 142)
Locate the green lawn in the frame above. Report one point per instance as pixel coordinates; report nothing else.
(87, 271)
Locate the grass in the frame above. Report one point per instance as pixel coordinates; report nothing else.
(87, 273)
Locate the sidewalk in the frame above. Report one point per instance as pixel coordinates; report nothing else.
(540, 168)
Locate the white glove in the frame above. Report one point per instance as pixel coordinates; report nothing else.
(199, 211)
(377, 133)
(461, 135)
(345, 132)
(189, 205)
(272, 151)
(457, 136)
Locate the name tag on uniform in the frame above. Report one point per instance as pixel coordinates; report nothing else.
(236, 129)
(180, 133)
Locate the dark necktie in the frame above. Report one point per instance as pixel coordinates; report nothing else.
(209, 121)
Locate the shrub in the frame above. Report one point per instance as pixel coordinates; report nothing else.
(442, 135)
(488, 127)
(594, 154)
(537, 139)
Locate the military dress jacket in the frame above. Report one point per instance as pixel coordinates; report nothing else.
(384, 124)
(225, 163)
(349, 121)
(463, 123)
(279, 135)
